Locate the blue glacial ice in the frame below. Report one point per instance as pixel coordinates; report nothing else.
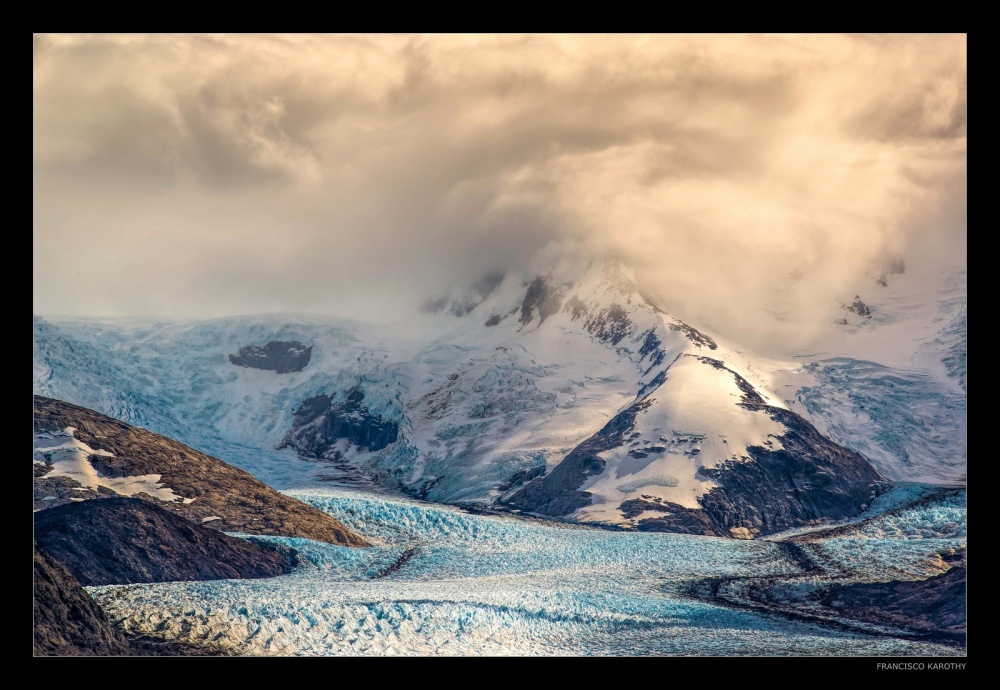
(900, 543)
(470, 584)
(903, 420)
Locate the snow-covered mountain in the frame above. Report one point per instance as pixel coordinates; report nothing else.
(574, 399)
(893, 385)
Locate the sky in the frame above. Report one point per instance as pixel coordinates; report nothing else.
(198, 176)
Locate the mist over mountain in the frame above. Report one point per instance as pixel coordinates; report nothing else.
(747, 179)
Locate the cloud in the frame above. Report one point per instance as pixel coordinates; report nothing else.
(200, 175)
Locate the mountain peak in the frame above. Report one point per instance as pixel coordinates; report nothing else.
(611, 274)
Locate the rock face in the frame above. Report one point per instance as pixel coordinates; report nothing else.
(68, 622)
(320, 423)
(934, 608)
(859, 307)
(211, 491)
(281, 356)
(128, 540)
(557, 493)
(541, 300)
(809, 479)
(51, 492)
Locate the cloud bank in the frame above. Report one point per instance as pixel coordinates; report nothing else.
(196, 176)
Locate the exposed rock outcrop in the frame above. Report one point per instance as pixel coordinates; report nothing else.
(557, 493)
(859, 307)
(320, 423)
(224, 497)
(58, 491)
(68, 622)
(694, 335)
(128, 540)
(937, 604)
(609, 325)
(541, 299)
(809, 479)
(280, 356)
(521, 477)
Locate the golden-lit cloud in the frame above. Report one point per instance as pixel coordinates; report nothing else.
(206, 175)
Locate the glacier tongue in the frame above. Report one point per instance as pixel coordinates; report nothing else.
(487, 585)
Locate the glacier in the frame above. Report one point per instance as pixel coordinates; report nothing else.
(474, 585)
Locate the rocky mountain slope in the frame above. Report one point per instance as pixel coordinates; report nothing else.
(147, 527)
(128, 540)
(68, 622)
(81, 454)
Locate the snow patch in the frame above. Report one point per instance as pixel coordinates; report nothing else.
(69, 458)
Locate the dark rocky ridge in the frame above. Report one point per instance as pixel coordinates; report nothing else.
(68, 622)
(930, 610)
(280, 356)
(937, 604)
(575, 308)
(676, 519)
(694, 335)
(557, 493)
(127, 540)
(810, 479)
(521, 477)
(319, 423)
(651, 348)
(220, 490)
(541, 299)
(610, 325)
(51, 492)
(859, 307)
